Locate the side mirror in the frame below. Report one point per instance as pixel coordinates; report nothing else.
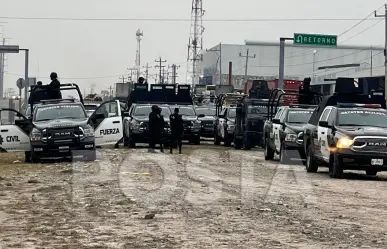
(324, 124)
(276, 121)
(201, 116)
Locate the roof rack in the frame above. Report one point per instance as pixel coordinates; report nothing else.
(48, 101)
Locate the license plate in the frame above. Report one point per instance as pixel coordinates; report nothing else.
(377, 162)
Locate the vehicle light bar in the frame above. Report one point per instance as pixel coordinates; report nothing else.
(359, 105)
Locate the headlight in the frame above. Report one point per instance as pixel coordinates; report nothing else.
(36, 135)
(344, 143)
(135, 125)
(89, 132)
(291, 138)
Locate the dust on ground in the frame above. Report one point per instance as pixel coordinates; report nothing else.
(205, 198)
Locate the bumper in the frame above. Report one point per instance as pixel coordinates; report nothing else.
(293, 146)
(61, 149)
(191, 133)
(207, 132)
(352, 160)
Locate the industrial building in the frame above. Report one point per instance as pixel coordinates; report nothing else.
(300, 62)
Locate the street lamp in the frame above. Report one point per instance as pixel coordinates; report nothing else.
(314, 61)
(14, 49)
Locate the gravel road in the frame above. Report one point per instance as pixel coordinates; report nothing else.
(208, 197)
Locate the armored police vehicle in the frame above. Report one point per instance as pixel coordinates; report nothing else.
(60, 128)
(251, 113)
(283, 132)
(348, 131)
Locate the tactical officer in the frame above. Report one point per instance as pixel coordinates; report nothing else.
(177, 130)
(161, 125)
(141, 80)
(54, 87)
(38, 93)
(154, 130)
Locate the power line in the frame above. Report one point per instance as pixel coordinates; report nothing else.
(184, 19)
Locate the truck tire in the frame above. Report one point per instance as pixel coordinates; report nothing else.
(237, 143)
(371, 172)
(269, 152)
(311, 164)
(27, 156)
(34, 158)
(335, 167)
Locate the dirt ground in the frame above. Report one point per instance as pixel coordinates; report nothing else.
(205, 198)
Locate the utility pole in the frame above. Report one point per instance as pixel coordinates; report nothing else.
(220, 60)
(2, 69)
(247, 62)
(131, 72)
(385, 47)
(146, 72)
(174, 73)
(161, 68)
(123, 79)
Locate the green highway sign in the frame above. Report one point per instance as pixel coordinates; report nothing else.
(315, 40)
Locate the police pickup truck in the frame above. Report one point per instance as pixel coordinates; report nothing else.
(224, 126)
(283, 134)
(207, 117)
(348, 136)
(60, 128)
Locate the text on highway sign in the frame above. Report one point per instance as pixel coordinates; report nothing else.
(9, 49)
(315, 40)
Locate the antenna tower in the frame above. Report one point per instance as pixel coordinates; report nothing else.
(139, 34)
(195, 44)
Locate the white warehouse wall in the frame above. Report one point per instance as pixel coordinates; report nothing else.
(298, 61)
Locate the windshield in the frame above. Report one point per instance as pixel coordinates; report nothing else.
(145, 110)
(232, 113)
(90, 107)
(59, 112)
(206, 111)
(187, 111)
(257, 109)
(210, 88)
(299, 116)
(362, 118)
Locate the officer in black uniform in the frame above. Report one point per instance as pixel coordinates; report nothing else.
(141, 80)
(38, 93)
(305, 96)
(177, 130)
(154, 129)
(54, 87)
(161, 125)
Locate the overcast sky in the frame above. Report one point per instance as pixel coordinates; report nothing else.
(98, 52)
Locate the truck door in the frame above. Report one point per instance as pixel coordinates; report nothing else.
(324, 137)
(107, 123)
(14, 131)
(321, 141)
(275, 136)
